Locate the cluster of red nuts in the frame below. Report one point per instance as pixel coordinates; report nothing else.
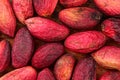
(59, 39)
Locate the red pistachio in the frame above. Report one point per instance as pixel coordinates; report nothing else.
(46, 30)
(80, 17)
(64, 67)
(7, 18)
(85, 42)
(22, 48)
(46, 54)
(24, 73)
(109, 7)
(23, 9)
(45, 74)
(85, 70)
(45, 7)
(108, 57)
(4, 55)
(111, 28)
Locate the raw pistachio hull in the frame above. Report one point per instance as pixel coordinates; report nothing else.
(46, 54)
(7, 18)
(4, 55)
(23, 9)
(109, 7)
(24, 73)
(45, 7)
(111, 28)
(85, 70)
(22, 49)
(46, 29)
(64, 67)
(45, 74)
(85, 42)
(80, 17)
(108, 57)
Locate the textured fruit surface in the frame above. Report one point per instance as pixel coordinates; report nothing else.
(23, 9)
(45, 7)
(25, 73)
(108, 57)
(80, 17)
(111, 75)
(22, 48)
(85, 42)
(111, 28)
(4, 55)
(64, 67)
(45, 74)
(109, 7)
(46, 54)
(72, 3)
(7, 18)
(46, 29)
(85, 70)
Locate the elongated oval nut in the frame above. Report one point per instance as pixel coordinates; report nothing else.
(80, 17)
(109, 7)
(24, 73)
(4, 55)
(45, 74)
(85, 70)
(7, 18)
(22, 48)
(108, 57)
(23, 9)
(45, 7)
(85, 42)
(64, 67)
(111, 28)
(46, 29)
(46, 54)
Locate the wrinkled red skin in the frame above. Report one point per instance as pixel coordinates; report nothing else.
(85, 42)
(64, 67)
(111, 75)
(46, 29)
(108, 57)
(80, 17)
(7, 18)
(109, 7)
(111, 28)
(46, 54)
(45, 7)
(23, 9)
(85, 70)
(4, 55)
(72, 3)
(24, 73)
(22, 48)
(45, 74)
